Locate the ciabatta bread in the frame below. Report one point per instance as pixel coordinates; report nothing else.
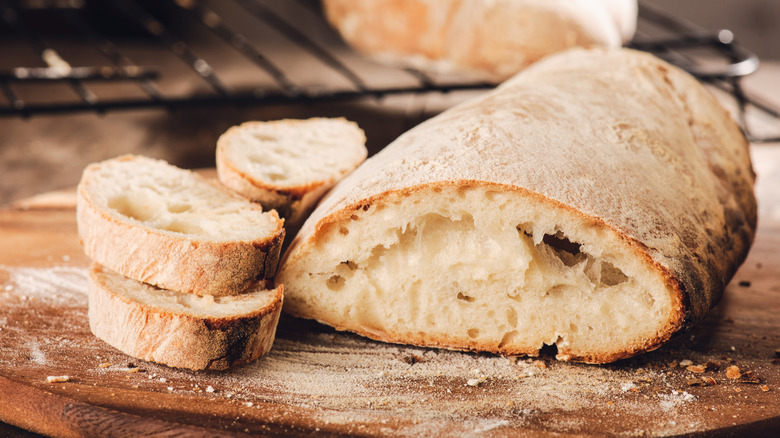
(287, 165)
(599, 202)
(169, 227)
(497, 37)
(181, 329)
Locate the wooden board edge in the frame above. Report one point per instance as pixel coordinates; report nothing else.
(54, 415)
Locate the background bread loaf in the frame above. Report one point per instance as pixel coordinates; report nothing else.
(498, 37)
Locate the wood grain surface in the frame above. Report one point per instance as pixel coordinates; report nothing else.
(722, 378)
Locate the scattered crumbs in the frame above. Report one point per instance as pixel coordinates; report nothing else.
(163, 379)
(744, 283)
(698, 369)
(249, 404)
(627, 386)
(134, 370)
(749, 377)
(712, 366)
(702, 381)
(733, 372)
(476, 381)
(686, 363)
(733, 348)
(765, 388)
(58, 379)
(210, 389)
(170, 388)
(104, 365)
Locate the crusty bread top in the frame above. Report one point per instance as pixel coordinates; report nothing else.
(499, 37)
(151, 193)
(293, 155)
(619, 136)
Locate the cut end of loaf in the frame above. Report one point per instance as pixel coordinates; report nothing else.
(428, 268)
(181, 329)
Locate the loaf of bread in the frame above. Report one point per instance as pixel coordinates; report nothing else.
(169, 227)
(181, 329)
(287, 165)
(497, 37)
(598, 202)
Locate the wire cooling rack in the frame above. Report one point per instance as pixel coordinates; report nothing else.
(186, 41)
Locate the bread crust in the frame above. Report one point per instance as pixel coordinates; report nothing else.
(292, 201)
(570, 134)
(498, 37)
(176, 262)
(176, 339)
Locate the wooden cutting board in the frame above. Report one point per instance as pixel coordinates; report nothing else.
(317, 381)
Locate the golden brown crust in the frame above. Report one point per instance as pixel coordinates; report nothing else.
(667, 172)
(178, 263)
(176, 339)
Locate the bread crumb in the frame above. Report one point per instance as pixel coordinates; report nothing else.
(170, 388)
(686, 363)
(765, 388)
(163, 379)
(58, 379)
(698, 369)
(733, 372)
(249, 404)
(476, 382)
(104, 365)
(210, 389)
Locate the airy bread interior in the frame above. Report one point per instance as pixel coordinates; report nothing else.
(154, 194)
(291, 153)
(481, 268)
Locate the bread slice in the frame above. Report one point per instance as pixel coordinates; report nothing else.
(180, 329)
(598, 202)
(169, 227)
(497, 37)
(287, 165)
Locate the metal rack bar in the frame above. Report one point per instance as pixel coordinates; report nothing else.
(731, 61)
(56, 65)
(156, 28)
(288, 30)
(110, 51)
(211, 20)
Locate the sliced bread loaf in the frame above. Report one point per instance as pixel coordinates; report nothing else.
(181, 329)
(597, 202)
(288, 165)
(169, 227)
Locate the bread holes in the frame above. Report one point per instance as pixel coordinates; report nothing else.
(564, 249)
(507, 339)
(179, 208)
(464, 297)
(511, 317)
(335, 283)
(611, 276)
(139, 209)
